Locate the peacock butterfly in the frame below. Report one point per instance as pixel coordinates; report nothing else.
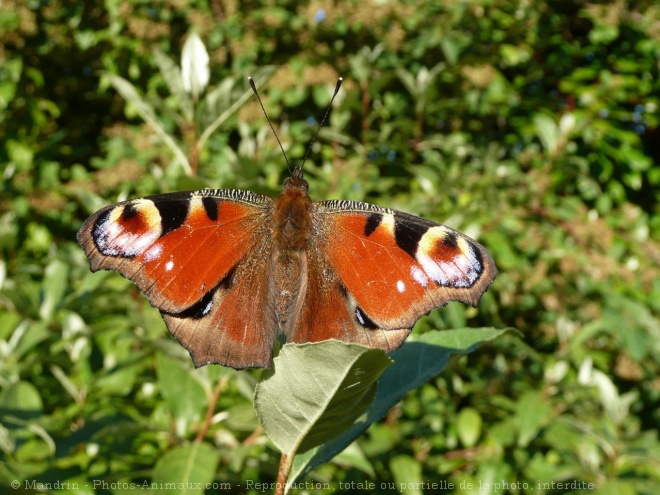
(230, 270)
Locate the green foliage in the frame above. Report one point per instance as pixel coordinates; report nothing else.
(327, 385)
(532, 127)
(418, 360)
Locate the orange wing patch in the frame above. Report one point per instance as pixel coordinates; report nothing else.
(329, 311)
(373, 268)
(175, 247)
(197, 255)
(225, 327)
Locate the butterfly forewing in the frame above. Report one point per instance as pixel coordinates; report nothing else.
(175, 247)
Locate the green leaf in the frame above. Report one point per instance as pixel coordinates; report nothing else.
(361, 64)
(26, 337)
(315, 391)
(53, 288)
(216, 101)
(186, 469)
(21, 396)
(260, 77)
(195, 72)
(547, 131)
(515, 55)
(184, 395)
(418, 360)
(603, 34)
(407, 474)
(241, 418)
(66, 382)
(172, 76)
(408, 81)
(469, 426)
(451, 49)
(24, 429)
(353, 457)
(618, 487)
(533, 411)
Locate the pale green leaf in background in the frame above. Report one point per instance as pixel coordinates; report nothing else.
(187, 468)
(53, 288)
(195, 66)
(184, 395)
(469, 426)
(172, 75)
(260, 77)
(547, 131)
(533, 411)
(407, 474)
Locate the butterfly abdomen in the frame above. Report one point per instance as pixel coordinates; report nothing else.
(292, 226)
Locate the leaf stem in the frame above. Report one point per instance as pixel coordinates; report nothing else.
(211, 408)
(286, 462)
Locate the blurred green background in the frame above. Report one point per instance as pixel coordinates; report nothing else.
(532, 126)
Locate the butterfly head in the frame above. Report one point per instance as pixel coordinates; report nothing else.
(296, 181)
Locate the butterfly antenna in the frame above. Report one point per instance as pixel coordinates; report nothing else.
(325, 117)
(256, 93)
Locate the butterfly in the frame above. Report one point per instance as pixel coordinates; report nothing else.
(232, 270)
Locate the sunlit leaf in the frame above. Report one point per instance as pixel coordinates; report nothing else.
(195, 66)
(260, 77)
(185, 469)
(532, 413)
(172, 76)
(468, 426)
(184, 395)
(325, 386)
(53, 288)
(547, 131)
(418, 360)
(407, 474)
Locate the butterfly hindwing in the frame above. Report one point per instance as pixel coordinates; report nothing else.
(397, 267)
(329, 311)
(231, 325)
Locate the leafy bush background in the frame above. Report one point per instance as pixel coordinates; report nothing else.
(533, 126)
